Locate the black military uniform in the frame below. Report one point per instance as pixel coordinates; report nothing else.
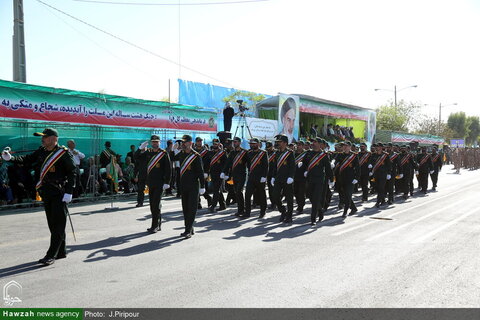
(158, 177)
(363, 160)
(380, 171)
(282, 181)
(317, 171)
(216, 160)
(193, 183)
(348, 173)
(236, 169)
(56, 171)
(203, 152)
(257, 163)
(412, 170)
(425, 166)
(299, 185)
(106, 155)
(271, 157)
(395, 170)
(407, 165)
(437, 162)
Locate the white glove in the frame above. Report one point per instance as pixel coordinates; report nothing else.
(272, 181)
(416, 172)
(177, 164)
(289, 181)
(205, 175)
(400, 176)
(222, 176)
(332, 165)
(166, 186)
(263, 180)
(6, 155)
(300, 164)
(67, 197)
(389, 177)
(305, 174)
(354, 181)
(201, 191)
(370, 174)
(370, 166)
(143, 145)
(331, 183)
(431, 172)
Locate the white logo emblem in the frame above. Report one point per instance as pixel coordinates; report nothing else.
(11, 293)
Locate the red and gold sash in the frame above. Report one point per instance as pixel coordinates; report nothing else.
(256, 160)
(364, 158)
(203, 153)
(238, 158)
(405, 159)
(271, 157)
(188, 160)
(347, 162)
(379, 162)
(393, 156)
(52, 158)
(424, 159)
(217, 157)
(282, 158)
(300, 157)
(155, 160)
(436, 158)
(315, 160)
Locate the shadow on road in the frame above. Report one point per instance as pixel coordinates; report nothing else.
(153, 245)
(109, 242)
(21, 268)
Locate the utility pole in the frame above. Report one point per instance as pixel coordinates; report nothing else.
(19, 62)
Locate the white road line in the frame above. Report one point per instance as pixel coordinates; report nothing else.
(443, 227)
(401, 211)
(379, 235)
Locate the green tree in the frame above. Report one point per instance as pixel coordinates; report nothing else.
(250, 98)
(473, 129)
(458, 123)
(403, 117)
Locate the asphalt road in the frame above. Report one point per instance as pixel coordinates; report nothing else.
(423, 252)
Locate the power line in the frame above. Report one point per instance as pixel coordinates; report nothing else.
(172, 4)
(134, 45)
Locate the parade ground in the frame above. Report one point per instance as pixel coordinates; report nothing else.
(422, 252)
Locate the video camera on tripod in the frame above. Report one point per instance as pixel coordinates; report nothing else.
(241, 108)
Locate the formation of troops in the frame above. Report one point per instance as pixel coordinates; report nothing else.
(288, 173)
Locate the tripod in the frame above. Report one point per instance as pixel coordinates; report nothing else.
(243, 123)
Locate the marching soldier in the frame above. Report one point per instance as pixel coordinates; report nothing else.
(216, 159)
(407, 165)
(203, 151)
(381, 167)
(282, 180)
(390, 186)
(363, 160)
(257, 161)
(231, 199)
(318, 172)
(237, 169)
(192, 181)
(56, 171)
(425, 167)
(412, 171)
(437, 162)
(271, 157)
(299, 179)
(158, 177)
(348, 173)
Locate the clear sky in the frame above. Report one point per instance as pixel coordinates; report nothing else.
(338, 50)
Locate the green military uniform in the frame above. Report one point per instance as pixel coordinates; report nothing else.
(282, 180)
(257, 163)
